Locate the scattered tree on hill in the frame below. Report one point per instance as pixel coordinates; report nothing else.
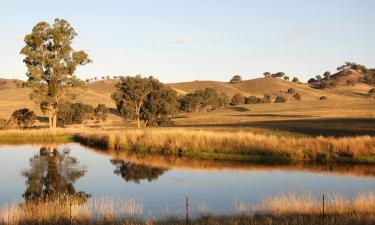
(280, 99)
(87, 81)
(101, 112)
(131, 93)
(238, 99)
(51, 63)
(236, 79)
(74, 113)
(286, 78)
(312, 80)
(267, 74)
(327, 75)
(207, 99)
(224, 100)
(295, 80)
(23, 118)
(278, 75)
(318, 77)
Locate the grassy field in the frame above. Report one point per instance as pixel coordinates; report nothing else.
(283, 209)
(235, 145)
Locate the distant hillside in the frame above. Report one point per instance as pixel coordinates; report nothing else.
(13, 96)
(348, 82)
(257, 87)
(10, 83)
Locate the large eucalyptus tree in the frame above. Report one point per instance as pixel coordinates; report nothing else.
(51, 63)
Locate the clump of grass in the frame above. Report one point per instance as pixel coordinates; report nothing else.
(240, 145)
(35, 136)
(71, 209)
(303, 204)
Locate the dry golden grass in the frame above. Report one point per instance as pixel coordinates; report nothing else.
(55, 212)
(292, 203)
(283, 209)
(232, 144)
(35, 136)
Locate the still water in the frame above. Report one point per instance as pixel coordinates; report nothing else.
(162, 183)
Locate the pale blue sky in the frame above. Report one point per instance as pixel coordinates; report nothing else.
(184, 40)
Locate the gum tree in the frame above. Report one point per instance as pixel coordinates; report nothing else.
(51, 62)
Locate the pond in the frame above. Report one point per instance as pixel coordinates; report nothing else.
(162, 183)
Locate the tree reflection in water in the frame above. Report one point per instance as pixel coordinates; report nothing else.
(52, 175)
(130, 171)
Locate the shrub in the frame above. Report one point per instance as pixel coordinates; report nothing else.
(252, 100)
(286, 78)
(297, 97)
(23, 118)
(101, 112)
(3, 124)
(238, 99)
(266, 99)
(323, 98)
(280, 99)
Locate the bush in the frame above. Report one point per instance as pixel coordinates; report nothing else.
(101, 112)
(252, 100)
(74, 113)
(280, 99)
(238, 99)
(323, 98)
(297, 97)
(23, 118)
(3, 124)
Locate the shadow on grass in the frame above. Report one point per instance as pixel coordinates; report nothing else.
(239, 109)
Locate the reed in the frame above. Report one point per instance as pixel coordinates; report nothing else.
(235, 145)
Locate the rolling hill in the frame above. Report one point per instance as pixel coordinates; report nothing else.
(13, 96)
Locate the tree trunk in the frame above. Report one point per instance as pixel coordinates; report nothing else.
(50, 119)
(54, 125)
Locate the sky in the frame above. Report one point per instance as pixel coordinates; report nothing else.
(185, 40)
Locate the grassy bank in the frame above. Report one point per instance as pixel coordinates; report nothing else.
(283, 209)
(235, 145)
(35, 136)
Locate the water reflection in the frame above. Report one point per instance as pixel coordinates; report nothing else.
(131, 171)
(52, 175)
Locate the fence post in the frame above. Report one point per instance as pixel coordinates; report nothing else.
(187, 211)
(323, 209)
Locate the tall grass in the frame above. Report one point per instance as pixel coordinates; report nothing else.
(241, 145)
(283, 209)
(35, 136)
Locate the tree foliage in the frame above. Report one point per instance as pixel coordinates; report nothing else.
(74, 113)
(201, 100)
(101, 112)
(238, 99)
(51, 63)
(23, 118)
(145, 99)
(236, 79)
